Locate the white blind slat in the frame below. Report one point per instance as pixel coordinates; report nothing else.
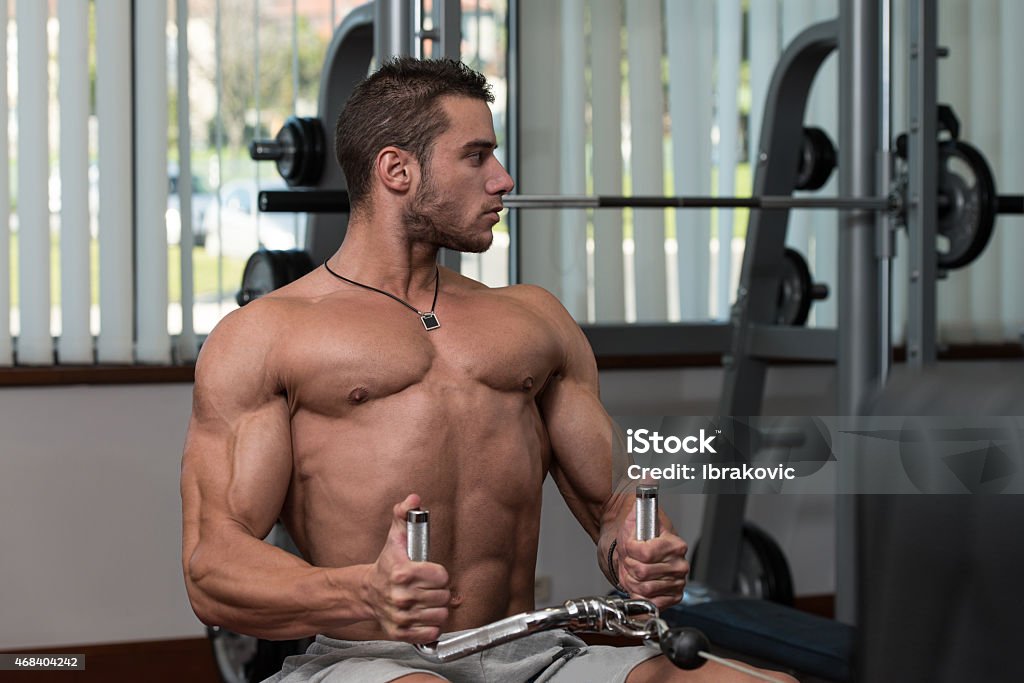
(690, 92)
(729, 32)
(75, 343)
(764, 53)
(6, 343)
(35, 342)
(1011, 172)
(572, 228)
(823, 112)
(540, 257)
(646, 164)
(187, 343)
(606, 112)
(154, 342)
(953, 304)
(981, 129)
(113, 108)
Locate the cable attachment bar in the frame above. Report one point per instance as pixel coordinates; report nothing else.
(594, 614)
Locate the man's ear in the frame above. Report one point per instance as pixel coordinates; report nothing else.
(396, 169)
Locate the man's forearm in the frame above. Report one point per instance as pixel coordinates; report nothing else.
(615, 511)
(251, 587)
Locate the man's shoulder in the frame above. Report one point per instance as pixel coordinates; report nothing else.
(274, 311)
(524, 294)
(533, 300)
(256, 328)
(540, 301)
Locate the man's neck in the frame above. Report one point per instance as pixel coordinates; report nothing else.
(380, 256)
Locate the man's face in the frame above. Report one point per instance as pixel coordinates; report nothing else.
(457, 202)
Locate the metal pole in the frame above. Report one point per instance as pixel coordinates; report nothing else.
(449, 20)
(886, 235)
(860, 303)
(922, 162)
(392, 35)
(858, 291)
(859, 300)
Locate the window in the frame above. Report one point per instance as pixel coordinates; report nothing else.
(649, 98)
(83, 285)
(611, 97)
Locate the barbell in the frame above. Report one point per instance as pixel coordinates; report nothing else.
(336, 201)
(967, 200)
(512, 201)
(967, 204)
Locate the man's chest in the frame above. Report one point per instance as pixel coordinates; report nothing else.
(351, 357)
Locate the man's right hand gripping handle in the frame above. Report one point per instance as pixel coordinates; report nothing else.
(409, 599)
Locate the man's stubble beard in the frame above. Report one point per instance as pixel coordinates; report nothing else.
(432, 219)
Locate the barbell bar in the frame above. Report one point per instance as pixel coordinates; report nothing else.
(336, 201)
(512, 201)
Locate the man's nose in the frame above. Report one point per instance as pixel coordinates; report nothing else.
(503, 182)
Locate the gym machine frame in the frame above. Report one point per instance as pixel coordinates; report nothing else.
(865, 250)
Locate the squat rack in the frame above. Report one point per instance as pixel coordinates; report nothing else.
(862, 341)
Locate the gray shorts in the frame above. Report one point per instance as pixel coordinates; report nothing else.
(544, 657)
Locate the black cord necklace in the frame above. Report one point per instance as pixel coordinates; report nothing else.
(428, 318)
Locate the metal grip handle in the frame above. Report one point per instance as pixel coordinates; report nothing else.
(417, 528)
(646, 512)
(505, 630)
(463, 644)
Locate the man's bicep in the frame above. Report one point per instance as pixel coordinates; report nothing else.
(237, 462)
(240, 470)
(581, 436)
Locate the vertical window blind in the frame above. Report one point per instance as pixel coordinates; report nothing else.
(123, 170)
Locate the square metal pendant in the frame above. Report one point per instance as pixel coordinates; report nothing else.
(430, 321)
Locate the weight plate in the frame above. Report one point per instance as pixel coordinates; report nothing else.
(290, 140)
(763, 571)
(968, 215)
(302, 151)
(232, 651)
(245, 659)
(817, 159)
(267, 270)
(795, 290)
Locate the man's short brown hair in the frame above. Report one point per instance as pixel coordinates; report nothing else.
(399, 105)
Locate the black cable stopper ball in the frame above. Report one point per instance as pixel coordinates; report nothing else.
(682, 645)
